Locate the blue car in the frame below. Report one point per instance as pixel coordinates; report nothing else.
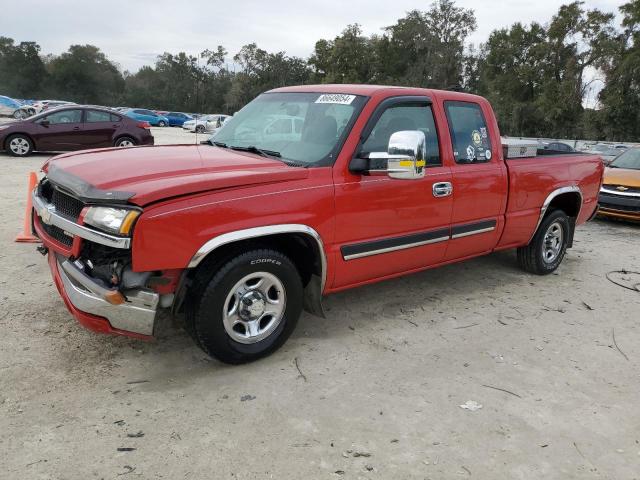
(176, 119)
(144, 115)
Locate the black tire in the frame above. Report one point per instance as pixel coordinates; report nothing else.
(161, 123)
(19, 145)
(200, 129)
(124, 142)
(205, 314)
(536, 257)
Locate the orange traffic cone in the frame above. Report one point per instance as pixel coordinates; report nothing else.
(26, 235)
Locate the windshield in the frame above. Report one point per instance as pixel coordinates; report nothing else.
(304, 128)
(629, 159)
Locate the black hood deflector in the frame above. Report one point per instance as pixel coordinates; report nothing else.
(83, 190)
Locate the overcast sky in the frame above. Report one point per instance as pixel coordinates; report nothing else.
(133, 32)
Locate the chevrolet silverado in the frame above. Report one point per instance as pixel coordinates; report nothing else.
(304, 192)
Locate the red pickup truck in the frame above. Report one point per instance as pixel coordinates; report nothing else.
(306, 191)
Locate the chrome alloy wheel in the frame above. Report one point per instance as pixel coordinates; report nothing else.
(254, 307)
(553, 241)
(19, 146)
(125, 143)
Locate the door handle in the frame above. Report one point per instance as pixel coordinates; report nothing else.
(76, 128)
(442, 189)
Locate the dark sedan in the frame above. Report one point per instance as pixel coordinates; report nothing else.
(73, 128)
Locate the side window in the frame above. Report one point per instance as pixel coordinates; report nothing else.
(405, 117)
(115, 118)
(94, 116)
(65, 116)
(469, 135)
(139, 112)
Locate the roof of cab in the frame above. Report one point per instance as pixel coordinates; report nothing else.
(349, 89)
(377, 90)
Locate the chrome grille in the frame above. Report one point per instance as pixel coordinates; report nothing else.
(66, 204)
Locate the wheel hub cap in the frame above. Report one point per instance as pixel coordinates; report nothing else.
(254, 307)
(553, 240)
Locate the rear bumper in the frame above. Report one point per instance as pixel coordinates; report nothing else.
(81, 295)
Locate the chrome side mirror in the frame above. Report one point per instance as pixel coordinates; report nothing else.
(407, 153)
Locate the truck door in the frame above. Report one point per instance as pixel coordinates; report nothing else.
(387, 226)
(479, 180)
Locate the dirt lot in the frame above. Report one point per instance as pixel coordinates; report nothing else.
(373, 391)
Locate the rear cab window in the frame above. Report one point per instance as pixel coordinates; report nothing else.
(469, 134)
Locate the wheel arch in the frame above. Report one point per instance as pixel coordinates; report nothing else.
(294, 240)
(569, 199)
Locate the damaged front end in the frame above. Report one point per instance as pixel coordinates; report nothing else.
(90, 259)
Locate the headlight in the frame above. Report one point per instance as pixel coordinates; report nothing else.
(112, 220)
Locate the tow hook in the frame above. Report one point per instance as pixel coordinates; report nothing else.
(42, 250)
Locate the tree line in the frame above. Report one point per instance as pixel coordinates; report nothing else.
(537, 76)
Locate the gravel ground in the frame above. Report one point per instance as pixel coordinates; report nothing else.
(373, 391)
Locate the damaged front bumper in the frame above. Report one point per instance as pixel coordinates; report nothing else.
(136, 314)
(96, 305)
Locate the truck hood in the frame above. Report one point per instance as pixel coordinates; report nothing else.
(143, 175)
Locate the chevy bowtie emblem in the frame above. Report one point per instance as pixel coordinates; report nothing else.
(622, 188)
(45, 216)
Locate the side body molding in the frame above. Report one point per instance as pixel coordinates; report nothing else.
(549, 199)
(256, 232)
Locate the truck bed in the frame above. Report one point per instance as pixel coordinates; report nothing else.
(533, 179)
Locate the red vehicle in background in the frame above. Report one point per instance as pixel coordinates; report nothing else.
(305, 192)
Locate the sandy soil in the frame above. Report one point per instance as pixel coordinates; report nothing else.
(373, 391)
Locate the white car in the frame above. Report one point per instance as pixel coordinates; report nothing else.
(206, 123)
(12, 108)
(42, 105)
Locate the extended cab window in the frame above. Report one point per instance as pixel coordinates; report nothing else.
(404, 117)
(469, 134)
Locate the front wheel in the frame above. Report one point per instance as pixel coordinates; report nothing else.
(19, 146)
(546, 250)
(248, 308)
(161, 123)
(20, 114)
(200, 129)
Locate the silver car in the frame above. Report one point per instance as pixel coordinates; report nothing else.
(206, 123)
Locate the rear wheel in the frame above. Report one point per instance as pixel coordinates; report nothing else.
(20, 114)
(545, 252)
(200, 129)
(125, 142)
(161, 123)
(248, 308)
(19, 145)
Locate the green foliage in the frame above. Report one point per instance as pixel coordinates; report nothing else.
(536, 75)
(22, 71)
(85, 75)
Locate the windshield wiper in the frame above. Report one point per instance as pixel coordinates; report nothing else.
(260, 151)
(218, 144)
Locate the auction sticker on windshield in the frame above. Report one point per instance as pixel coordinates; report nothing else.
(339, 98)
